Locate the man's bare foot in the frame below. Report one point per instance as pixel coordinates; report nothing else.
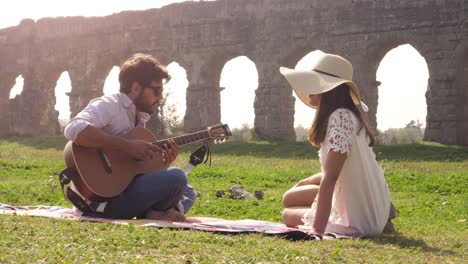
(171, 215)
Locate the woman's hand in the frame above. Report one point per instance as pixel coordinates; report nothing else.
(314, 233)
(320, 231)
(314, 179)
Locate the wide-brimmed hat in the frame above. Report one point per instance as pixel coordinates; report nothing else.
(325, 72)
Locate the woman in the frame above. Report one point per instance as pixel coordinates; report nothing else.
(350, 195)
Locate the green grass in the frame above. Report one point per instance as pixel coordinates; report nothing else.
(428, 182)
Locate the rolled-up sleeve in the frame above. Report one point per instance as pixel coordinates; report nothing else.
(97, 113)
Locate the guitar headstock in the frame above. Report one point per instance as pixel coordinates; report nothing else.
(219, 133)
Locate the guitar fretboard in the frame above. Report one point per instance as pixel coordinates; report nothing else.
(186, 139)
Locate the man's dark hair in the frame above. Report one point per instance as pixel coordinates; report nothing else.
(141, 68)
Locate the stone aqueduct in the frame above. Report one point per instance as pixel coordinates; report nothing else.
(203, 36)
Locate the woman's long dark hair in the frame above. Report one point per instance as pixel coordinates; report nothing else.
(338, 97)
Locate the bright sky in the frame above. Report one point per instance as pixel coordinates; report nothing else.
(403, 71)
(12, 12)
(404, 74)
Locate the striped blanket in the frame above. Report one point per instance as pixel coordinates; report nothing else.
(209, 224)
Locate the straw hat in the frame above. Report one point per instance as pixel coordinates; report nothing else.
(325, 72)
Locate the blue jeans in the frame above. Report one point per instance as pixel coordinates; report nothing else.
(158, 190)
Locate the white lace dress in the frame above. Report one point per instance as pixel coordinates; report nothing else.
(361, 199)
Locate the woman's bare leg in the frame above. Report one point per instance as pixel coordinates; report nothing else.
(298, 199)
(292, 216)
(300, 196)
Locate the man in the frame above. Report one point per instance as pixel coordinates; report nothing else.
(157, 195)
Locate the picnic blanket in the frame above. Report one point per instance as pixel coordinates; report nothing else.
(209, 224)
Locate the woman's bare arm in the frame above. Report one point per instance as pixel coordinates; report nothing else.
(332, 169)
(314, 179)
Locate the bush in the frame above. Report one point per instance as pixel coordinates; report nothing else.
(301, 133)
(244, 133)
(166, 122)
(412, 133)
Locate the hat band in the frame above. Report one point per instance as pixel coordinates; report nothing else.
(326, 73)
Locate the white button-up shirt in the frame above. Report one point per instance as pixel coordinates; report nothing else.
(114, 114)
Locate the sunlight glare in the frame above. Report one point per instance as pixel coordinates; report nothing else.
(403, 73)
(176, 89)
(17, 88)
(112, 85)
(62, 101)
(238, 82)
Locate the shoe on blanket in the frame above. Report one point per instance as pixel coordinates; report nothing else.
(393, 213)
(389, 227)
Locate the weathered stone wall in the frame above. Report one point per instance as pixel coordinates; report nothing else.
(203, 36)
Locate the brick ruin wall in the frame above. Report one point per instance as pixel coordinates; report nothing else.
(203, 36)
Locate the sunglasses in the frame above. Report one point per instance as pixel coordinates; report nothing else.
(158, 91)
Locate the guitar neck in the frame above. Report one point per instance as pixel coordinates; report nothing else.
(186, 139)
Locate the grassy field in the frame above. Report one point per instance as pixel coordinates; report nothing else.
(428, 183)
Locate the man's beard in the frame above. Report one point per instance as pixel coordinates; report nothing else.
(144, 106)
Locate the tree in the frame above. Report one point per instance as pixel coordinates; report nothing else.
(414, 124)
(413, 132)
(244, 133)
(301, 133)
(168, 122)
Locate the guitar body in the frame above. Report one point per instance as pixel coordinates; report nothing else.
(104, 173)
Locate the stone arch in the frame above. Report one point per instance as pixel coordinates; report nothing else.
(379, 49)
(88, 83)
(203, 93)
(442, 93)
(365, 74)
(38, 97)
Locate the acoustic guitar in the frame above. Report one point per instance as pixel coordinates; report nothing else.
(104, 173)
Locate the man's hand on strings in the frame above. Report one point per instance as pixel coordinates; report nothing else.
(141, 150)
(170, 152)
